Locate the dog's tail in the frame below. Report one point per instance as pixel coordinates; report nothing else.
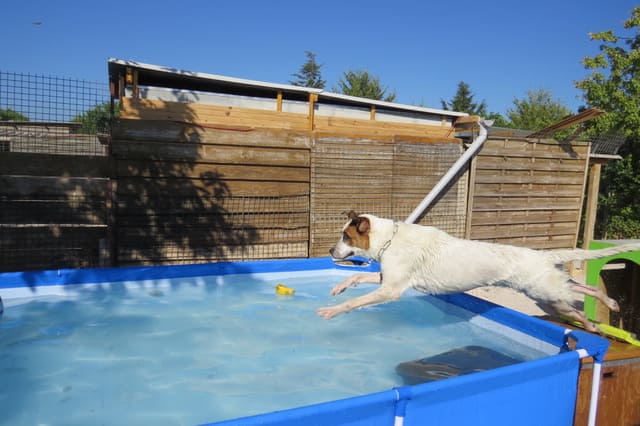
(561, 256)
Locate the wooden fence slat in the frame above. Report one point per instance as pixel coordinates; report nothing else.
(227, 207)
(221, 154)
(213, 188)
(566, 179)
(175, 255)
(497, 163)
(218, 220)
(493, 217)
(39, 186)
(524, 230)
(146, 109)
(202, 237)
(28, 164)
(579, 153)
(188, 170)
(163, 131)
(539, 243)
(525, 203)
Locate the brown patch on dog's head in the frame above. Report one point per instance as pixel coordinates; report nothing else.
(356, 233)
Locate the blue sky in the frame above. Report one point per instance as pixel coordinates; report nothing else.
(419, 49)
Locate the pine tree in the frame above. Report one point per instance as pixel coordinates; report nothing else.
(309, 74)
(463, 102)
(364, 85)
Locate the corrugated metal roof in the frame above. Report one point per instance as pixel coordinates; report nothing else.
(181, 79)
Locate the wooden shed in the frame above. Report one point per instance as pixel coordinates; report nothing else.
(217, 167)
(209, 167)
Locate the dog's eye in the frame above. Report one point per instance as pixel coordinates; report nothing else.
(345, 237)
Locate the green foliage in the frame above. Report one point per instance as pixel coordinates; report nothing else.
(11, 115)
(462, 101)
(614, 86)
(309, 74)
(95, 120)
(364, 85)
(498, 120)
(537, 111)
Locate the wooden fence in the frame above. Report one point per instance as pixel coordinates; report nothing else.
(386, 179)
(189, 193)
(54, 210)
(176, 192)
(183, 180)
(528, 192)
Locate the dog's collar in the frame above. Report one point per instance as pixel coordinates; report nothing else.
(388, 243)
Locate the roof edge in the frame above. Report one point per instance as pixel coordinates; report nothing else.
(284, 87)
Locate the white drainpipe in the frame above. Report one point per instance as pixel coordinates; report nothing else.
(453, 171)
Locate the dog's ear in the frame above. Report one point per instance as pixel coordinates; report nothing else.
(351, 214)
(362, 224)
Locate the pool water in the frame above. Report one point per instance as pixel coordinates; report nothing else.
(194, 350)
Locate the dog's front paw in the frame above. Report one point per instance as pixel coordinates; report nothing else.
(328, 312)
(340, 288)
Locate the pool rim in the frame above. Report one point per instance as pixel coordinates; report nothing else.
(585, 344)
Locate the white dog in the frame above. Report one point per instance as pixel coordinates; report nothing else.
(432, 261)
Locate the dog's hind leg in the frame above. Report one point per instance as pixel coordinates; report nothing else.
(355, 279)
(567, 311)
(595, 292)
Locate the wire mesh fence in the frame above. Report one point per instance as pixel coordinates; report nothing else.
(608, 143)
(54, 115)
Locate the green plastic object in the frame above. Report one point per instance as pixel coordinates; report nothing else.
(594, 267)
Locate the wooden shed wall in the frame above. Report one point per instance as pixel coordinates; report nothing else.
(247, 118)
(527, 192)
(188, 193)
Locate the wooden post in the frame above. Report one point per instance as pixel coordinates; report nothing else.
(136, 92)
(470, 194)
(593, 187)
(279, 101)
(112, 214)
(312, 99)
(372, 113)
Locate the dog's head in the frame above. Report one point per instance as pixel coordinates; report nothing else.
(354, 240)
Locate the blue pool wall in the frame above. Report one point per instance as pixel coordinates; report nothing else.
(541, 392)
(536, 392)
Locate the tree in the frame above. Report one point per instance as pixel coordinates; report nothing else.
(537, 111)
(614, 86)
(498, 120)
(309, 74)
(364, 85)
(95, 120)
(11, 115)
(462, 101)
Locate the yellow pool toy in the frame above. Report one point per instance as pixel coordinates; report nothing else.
(283, 290)
(619, 334)
(614, 332)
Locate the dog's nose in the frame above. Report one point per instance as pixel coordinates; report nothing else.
(331, 251)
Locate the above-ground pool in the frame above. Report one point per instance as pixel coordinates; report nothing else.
(197, 344)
